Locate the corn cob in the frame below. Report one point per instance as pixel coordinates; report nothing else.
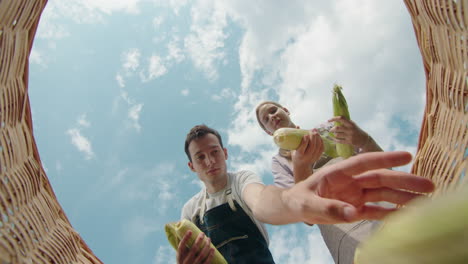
(176, 231)
(426, 232)
(290, 139)
(340, 108)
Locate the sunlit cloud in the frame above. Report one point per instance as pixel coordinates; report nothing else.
(157, 21)
(120, 80)
(131, 60)
(138, 228)
(134, 115)
(156, 69)
(81, 143)
(36, 57)
(174, 5)
(224, 94)
(185, 92)
(205, 43)
(82, 121)
(165, 255)
(175, 53)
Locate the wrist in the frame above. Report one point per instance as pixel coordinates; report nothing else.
(366, 142)
(288, 204)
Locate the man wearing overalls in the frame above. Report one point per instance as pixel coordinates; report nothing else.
(232, 207)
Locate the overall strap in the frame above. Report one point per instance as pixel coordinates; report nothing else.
(227, 193)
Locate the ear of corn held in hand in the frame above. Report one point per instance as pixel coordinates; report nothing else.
(340, 108)
(425, 232)
(176, 231)
(290, 139)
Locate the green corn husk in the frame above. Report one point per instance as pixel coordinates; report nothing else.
(176, 231)
(426, 232)
(290, 139)
(340, 108)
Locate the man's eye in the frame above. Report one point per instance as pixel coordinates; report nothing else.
(201, 157)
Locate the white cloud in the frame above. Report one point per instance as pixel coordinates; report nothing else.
(109, 6)
(205, 43)
(185, 92)
(82, 121)
(36, 57)
(175, 53)
(157, 184)
(156, 69)
(157, 21)
(134, 115)
(138, 228)
(85, 11)
(174, 5)
(120, 80)
(165, 255)
(131, 60)
(224, 94)
(81, 143)
(133, 112)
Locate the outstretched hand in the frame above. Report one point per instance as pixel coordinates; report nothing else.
(199, 253)
(339, 193)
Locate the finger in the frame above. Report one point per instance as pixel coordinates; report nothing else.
(373, 212)
(183, 247)
(205, 251)
(388, 195)
(210, 256)
(304, 144)
(318, 143)
(344, 121)
(330, 211)
(395, 180)
(195, 248)
(341, 172)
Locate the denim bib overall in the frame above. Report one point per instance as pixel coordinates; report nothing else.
(233, 233)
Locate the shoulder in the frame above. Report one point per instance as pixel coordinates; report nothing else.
(191, 206)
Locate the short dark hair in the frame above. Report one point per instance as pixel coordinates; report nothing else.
(197, 132)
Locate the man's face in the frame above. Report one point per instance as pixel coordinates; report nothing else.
(208, 158)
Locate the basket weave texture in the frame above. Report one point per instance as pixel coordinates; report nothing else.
(441, 28)
(33, 226)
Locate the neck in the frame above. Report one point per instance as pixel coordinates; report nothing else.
(216, 186)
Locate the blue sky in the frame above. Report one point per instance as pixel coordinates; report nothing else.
(115, 86)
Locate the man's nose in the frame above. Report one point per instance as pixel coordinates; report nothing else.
(210, 160)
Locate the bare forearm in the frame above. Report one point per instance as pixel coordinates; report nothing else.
(270, 207)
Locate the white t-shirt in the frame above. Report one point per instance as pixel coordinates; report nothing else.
(238, 181)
